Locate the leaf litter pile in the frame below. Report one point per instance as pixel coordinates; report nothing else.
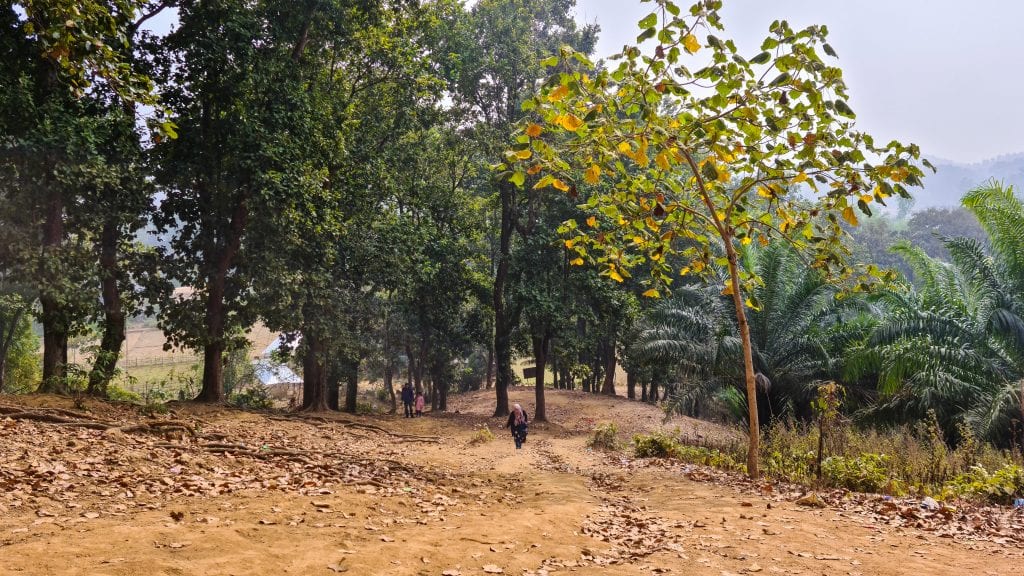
(70, 466)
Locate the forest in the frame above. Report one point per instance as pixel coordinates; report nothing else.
(437, 192)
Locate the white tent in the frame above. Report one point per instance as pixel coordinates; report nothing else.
(271, 373)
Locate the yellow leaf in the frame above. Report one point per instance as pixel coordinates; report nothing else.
(684, 270)
(593, 174)
(801, 177)
(592, 222)
(625, 148)
(727, 291)
(560, 185)
(641, 158)
(698, 266)
(576, 262)
(570, 243)
(533, 130)
(723, 174)
(523, 154)
(570, 122)
(558, 93)
(867, 198)
(662, 161)
(615, 276)
(691, 44)
(652, 293)
(764, 192)
(746, 241)
(849, 216)
(534, 169)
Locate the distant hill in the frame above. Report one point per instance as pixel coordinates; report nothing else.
(953, 179)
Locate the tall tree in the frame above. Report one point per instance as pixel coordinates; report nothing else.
(689, 148)
(500, 44)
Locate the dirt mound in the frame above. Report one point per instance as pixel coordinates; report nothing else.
(107, 490)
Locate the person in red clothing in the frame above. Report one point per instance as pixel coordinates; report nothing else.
(518, 422)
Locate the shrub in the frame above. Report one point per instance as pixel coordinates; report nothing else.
(865, 473)
(709, 457)
(118, 394)
(482, 436)
(605, 436)
(251, 398)
(656, 445)
(999, 487)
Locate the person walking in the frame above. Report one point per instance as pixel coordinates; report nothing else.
(420, 402)
(518, 422)
(407, 399)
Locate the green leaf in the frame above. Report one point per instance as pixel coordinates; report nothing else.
(648, 21)
(549, 61)
(828, 50)
(780, 79)
(761, 58)
(518, 178)
(649, 33)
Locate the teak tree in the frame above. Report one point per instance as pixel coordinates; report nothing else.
(685, 143)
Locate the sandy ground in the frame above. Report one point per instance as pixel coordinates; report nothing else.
(450, 507)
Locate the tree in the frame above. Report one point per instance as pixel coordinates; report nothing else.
(61, 61)
(955, 343)
(688, 149)
(500, 44)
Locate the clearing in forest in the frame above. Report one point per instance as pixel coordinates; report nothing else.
(207, 490)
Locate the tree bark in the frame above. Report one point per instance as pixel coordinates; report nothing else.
(114, 321)
(213, 374)
(502, 325)
(490, 364)
(55, 324)
(314, 377)
(6, 339)
(540, 355)
(608, 387)
(351, 386)
(334, 376)
(631, 385)
(652, 392)
(753, 468)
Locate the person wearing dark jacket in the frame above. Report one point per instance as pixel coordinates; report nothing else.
(518, 422)
(408, 396)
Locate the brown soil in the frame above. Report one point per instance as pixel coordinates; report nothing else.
(392, 496)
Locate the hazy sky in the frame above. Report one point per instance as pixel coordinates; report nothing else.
(944, 74)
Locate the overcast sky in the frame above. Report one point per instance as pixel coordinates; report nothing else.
(944, 74)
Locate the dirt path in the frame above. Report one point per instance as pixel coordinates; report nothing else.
(554, 507)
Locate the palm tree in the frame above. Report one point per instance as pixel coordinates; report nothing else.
(955, 343)
(797, 327)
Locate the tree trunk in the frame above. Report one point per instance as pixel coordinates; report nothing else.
(314, 377)
(390, 387)
(334, 376)
(643, 390)
(608, 387)
(351, 386)
(6, 339)
(652, 392)
(216, 315)
(105, 364)
(753, 468)
(540, 355)
(631, 385)
(54, 320)
(490, 364)
(502, 325)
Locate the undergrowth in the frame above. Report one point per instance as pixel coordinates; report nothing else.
(905, 461)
